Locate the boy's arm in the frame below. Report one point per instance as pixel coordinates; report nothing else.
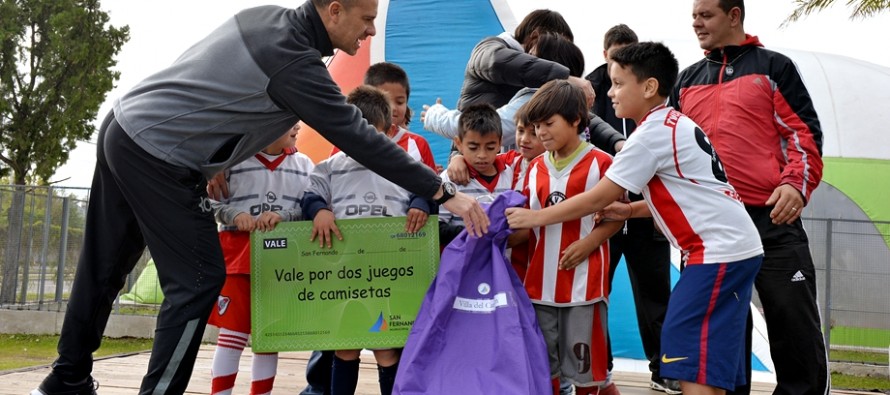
(418, 213)
(578, 251)
(604, 192)
(518, 237)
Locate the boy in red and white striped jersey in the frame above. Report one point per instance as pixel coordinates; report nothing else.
(567, 276)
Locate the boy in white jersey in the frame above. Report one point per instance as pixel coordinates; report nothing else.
(569, 266)
(263, 191)
(670, 160)
(479, 142)
(342, 188)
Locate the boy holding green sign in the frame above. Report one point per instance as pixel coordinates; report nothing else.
(342, 188)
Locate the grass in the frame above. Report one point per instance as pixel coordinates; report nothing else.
(876, 358)
(864, 337)
(19, 351)
(859, 383)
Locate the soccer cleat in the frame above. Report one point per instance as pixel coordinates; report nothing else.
(53, 385)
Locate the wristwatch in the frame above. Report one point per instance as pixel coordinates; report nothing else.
(448, 192)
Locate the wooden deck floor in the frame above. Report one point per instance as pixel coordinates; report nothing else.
(122, 375)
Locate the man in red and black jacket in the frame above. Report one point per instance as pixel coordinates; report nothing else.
(757, 113)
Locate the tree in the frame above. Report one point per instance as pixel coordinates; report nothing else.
(861, 8)
(55, 69)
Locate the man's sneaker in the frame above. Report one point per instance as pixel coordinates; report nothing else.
(670, 387)
(53, 385)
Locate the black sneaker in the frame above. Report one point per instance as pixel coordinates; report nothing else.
(668, 386)
(53, 385)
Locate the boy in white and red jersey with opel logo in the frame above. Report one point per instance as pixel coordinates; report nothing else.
(670, 160)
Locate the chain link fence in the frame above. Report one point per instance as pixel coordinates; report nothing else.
(41, 233)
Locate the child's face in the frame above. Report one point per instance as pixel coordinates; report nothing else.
(558, 135)
(627, 93)
(527, 142)
(480, 151)
(398, 97)
(287, 140)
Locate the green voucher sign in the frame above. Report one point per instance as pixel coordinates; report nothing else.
(362, 293)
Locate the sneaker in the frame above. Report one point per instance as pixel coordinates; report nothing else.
(53, 385)
(670, 387)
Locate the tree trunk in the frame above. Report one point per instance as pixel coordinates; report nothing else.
(15, 217)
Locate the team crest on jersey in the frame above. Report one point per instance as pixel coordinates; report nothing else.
(271, 197)
(555, 198)
(370, 197)
(222, 304)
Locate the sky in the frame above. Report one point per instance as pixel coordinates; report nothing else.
(161, 30)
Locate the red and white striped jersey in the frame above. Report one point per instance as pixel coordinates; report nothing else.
(483, 191)
(414, 144)
(545, 283)
(671, 161)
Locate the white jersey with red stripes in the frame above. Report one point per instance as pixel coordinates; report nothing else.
(266, 183)
(544, 281)
(671, 161)
(480, 189)
(414, 144)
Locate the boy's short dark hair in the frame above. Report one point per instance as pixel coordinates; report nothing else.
(383, 72)
(619, 35)
(559, 97)
(727, 5)
(556, 48)
(539, 22)
(650, 60)
(481, 118)
(374, 105)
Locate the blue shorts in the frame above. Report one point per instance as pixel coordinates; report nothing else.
(703, 337)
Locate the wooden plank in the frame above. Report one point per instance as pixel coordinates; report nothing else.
(123, 374)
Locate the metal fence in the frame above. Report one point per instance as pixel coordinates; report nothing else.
(41, 233)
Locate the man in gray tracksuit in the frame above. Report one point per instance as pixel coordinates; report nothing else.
(222, 101)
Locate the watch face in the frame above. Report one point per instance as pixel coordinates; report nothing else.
(449, 188)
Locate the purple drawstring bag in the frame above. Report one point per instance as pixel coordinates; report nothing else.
(476, 331)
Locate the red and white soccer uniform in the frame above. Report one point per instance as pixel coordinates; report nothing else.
(519, 255)
(588, 282)
(414, 144)
(671, 161)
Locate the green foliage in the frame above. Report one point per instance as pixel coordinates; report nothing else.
(861, 8)
(55, 69)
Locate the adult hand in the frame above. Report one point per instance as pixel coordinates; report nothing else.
(788, 204)
(521, 218)
(619, 145)
(217, 187)
(585, 87)
(457, 170)
(322, 227)
(475, 219)
(427, 107)
(267, 221)
(415, 220)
